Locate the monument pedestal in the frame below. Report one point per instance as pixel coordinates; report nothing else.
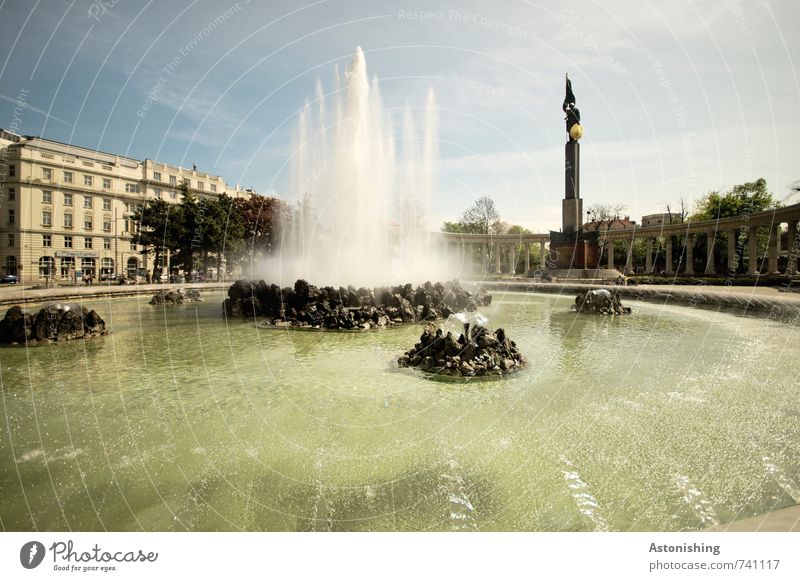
(571, 251)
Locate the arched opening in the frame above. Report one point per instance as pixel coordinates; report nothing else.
(88, 267)
(68, 268)
(133, 267)
(11, 265)
(106, 268)
(47, 267)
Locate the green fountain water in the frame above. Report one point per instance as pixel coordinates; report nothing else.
(668, 419)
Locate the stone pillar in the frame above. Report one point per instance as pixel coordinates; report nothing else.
(629, 257)
(512, 259)
(710, 238)
(774, 247)
(668, 254)
(527, 248)
(689, 254)
(792, 249)
(610, 248)
(752, 250)
(542, 255)
(648, 258)
(731, 250)
(484, 257)
(497, 249)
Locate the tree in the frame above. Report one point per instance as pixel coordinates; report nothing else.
(742, 199)
(219, 222)
(480, 218)
(599, 214)
(158, 228)
(189, 229)
(452, 227)
(680, 216)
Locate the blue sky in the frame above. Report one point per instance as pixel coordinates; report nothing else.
(677, 98)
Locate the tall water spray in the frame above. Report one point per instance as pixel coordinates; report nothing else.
(363, 198)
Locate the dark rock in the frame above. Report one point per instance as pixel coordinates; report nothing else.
(483, 354)
(16, 326)
(330, 308)
(53, 322)
(600, 302)
(241, 289)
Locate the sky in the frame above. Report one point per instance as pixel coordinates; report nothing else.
(676, 98)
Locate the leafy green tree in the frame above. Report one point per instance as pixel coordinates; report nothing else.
(158, 229)
(740, 200)
(452, 227)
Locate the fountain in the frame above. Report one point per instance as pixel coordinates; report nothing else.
(363, 209)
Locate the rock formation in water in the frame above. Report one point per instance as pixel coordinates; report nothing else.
(480, 352)
(53, 322)
(349, 308)
(599, 302)
(171, 297)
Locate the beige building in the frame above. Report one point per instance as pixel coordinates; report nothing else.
(65, 211)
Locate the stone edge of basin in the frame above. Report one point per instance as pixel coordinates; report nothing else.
(783, 307)
(29, 296)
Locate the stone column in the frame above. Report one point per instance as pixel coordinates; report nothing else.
(710, 238)
(774, 247)
(752, 250)
(512, 259)
(689, 254)
(731, 250)
(792, 249)
(668, 254)
(610, 248)
(648, 258)
(527, 248)
(497, 249)
(542, 255)
(629, 257)
(484, 257)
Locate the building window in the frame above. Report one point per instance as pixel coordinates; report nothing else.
(47, 241)
(47, 197)
(47, 174)
(173, 195)
(132, 188)
(67, 177)
(157, 192)
(12, 171)
(87, 243)
(106, 203)
(201, 186)
(106, 183)
(133, 246)
(11, 217)
(67, 241)
(106, 243)
(12, 194)
(47, 266)
(67, 220)
(67, 199)
(88, 181)
(11, 240)
(87, 222)
(173, 180)
(67, 266)
(106, 226)
(11, 265)
(47, 218)
(87, 201)
(157, 176)
(213, 187)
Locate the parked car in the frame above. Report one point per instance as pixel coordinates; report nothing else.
(9, 279)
